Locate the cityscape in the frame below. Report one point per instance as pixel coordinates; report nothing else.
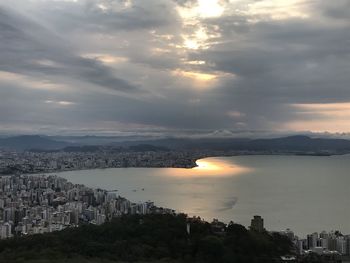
(38, 204)
(34, 162)
(174, 131)
(33, 203)
(41, 204)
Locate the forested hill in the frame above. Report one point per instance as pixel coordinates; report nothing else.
(151, 238)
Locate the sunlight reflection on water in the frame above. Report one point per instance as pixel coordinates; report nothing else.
(210, 167)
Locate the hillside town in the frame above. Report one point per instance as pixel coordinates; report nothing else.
(40, 204)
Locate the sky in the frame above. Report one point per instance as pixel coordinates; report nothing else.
(217, 67)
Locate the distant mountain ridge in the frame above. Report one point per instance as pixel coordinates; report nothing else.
(298, 143)
(26, 142)
(292, 143)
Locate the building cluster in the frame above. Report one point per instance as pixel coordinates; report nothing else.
(39, 204)
(31, 162)
(326, 242)
(321, 243)
(40, 162)
(329, 246)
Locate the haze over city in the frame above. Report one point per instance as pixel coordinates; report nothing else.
(174, 67)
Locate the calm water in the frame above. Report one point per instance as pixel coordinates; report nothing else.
(303, 193)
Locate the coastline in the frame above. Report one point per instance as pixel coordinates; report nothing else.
(191, 162)
(143, 196)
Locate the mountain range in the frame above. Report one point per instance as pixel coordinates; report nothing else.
(299, 143)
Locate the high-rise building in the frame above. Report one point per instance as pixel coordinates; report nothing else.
(347, 238)
(5, 230)
(257, 224)
(312, 240)
(341, 245)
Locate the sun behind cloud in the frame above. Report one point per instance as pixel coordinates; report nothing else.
(203, 9)
(210, 8)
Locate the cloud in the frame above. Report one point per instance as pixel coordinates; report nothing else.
(28, 48)
(173, 65)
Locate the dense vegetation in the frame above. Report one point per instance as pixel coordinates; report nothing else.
(151, 238)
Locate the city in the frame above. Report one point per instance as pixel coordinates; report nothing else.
(34, 162)
(37, 204)
(42, 204)
(174, 131)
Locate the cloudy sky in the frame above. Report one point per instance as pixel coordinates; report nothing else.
(145, 66)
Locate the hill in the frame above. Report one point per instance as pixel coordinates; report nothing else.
(150, 238)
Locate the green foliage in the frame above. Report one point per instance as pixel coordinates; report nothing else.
(150, 238)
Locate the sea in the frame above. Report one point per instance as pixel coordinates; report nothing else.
(303, 193)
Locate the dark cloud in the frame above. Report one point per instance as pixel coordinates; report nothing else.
(125, 64)
(111, 16)
(25, 44)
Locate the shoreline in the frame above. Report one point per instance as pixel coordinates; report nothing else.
(130, 197)
(192, 160)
